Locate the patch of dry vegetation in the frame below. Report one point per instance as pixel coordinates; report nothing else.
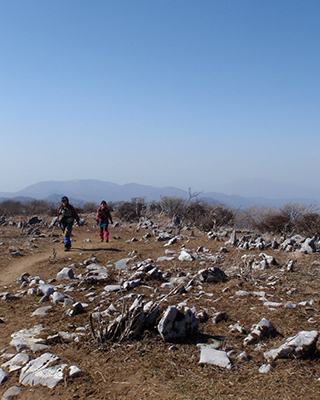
(149, 368)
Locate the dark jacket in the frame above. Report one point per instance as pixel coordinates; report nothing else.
(67, 215)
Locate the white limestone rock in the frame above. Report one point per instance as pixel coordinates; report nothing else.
(185, 256)
(27, 339)
(122, 264)
(301, 345)
(65, 273)
(265, 368)
(41, 311)
(46, 289)
(259, 331)
(308, 246)
(112, 288)
(56, 297)
(11, 393)
(43, 370)
(175, 324)
(3, 376)
(209, 355)
(97, 273)
(75, 372)
(16, 362)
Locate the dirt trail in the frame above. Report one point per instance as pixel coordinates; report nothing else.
(38, 263)
(19, 265)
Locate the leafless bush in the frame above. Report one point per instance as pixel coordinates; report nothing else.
(308, 224)
(217, 217)
(208, 217)
(37, 207)
(172, 205)
(194, 212)
(291, 218)
(131, 211)
(90, 207)
(12, 207)
(275, 223)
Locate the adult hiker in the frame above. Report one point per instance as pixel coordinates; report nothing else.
(103, 217)
(66, 216)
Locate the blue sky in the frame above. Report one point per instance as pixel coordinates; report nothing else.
(184, 93)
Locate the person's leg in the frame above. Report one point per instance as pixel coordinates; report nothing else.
(64, 230)
(67, 240)
(106, 233)
(101, 233)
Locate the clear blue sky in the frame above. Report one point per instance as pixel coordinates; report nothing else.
(178, 93)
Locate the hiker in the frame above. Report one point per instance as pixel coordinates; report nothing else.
(176, 220)
(103, 217)
(66, 216)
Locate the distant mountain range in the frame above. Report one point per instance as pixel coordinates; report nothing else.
(82, 191)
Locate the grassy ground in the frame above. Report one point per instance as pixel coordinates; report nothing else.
(149, 368)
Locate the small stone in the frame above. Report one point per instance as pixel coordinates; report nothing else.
(75, 371)
(65, 273)
(210, 355)
(265, 368)
(3, 376)
(11, 393)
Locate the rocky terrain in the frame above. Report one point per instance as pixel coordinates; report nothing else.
(157, 313)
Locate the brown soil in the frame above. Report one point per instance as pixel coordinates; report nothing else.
(148, 368)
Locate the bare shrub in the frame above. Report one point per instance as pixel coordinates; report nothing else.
(154, 208)
(131, 211)
(11, 207)
(172, 205)
(293, 211)
(140, 206)
(90, 207)
(208, 217)
(37, 207)
(276, 223)
(308, 224)
(194, 212)
(291, 218)
(218, 216)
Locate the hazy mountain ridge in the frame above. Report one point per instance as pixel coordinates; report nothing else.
(82, 191)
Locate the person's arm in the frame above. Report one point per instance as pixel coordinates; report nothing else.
(75, 214)
(98, 215)
(109, 216)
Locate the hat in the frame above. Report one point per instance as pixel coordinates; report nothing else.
(65, 198)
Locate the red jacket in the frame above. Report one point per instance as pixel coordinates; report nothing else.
(103, 215)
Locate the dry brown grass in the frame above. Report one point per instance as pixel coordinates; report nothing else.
(148, 368)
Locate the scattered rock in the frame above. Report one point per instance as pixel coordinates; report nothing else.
(11, 393)
(260, 331)
(175, 324)
(16, 362)
(210, 355)
(302, 345)
(3, 376)
(43, 370)
(65, 273)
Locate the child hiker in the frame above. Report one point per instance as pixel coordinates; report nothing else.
(66, 216)
(103, 217)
